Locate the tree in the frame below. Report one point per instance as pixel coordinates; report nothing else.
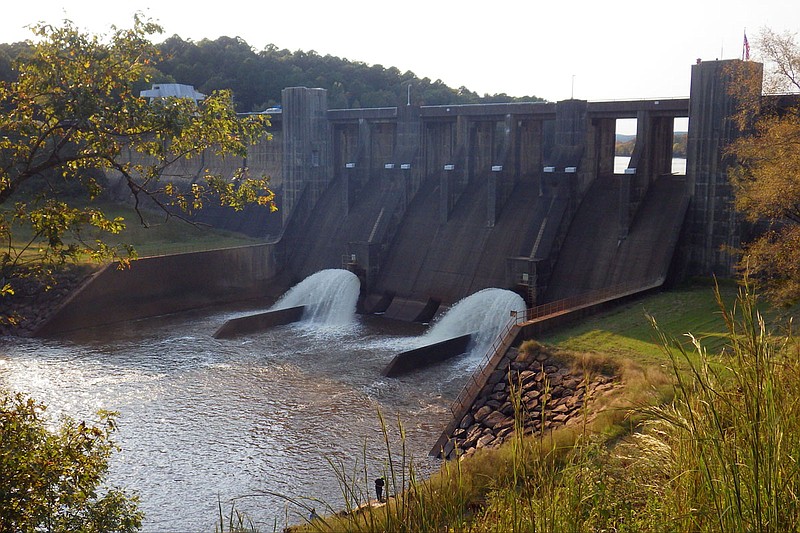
(766, 178)
(71, 115)
(50, 481)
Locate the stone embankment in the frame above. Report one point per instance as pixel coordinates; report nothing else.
(35, 299)
(550, 393)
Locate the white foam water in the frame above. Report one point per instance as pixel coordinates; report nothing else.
(484, 314)
(329, 296)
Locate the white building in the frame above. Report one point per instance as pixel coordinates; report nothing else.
(166, 90)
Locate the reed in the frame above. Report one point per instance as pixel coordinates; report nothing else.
(235, 522)
(731, 440)
(717, 453)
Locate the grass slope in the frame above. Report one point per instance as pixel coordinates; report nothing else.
(165, 236)
(626, 332)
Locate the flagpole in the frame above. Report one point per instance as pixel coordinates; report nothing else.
(745, 47)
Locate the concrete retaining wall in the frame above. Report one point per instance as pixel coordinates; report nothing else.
(259, 322)
(426, 356)
(167, 284)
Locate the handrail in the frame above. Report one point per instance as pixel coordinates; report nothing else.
(478, 377)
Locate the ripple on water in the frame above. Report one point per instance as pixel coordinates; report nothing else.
(202, 418)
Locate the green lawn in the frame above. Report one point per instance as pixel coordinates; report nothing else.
(160, 236)
(163, 236)
(625, 331)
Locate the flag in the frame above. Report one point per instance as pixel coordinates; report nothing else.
(745, 48)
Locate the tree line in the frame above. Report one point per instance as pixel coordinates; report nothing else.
(256, 78)
(624, 144)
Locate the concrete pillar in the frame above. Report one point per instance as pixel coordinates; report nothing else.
(456, 174)
(407, 149)
(569, 147)
(571, 123)
(356, 165)
(528, 148)
(503, 174)
(605, 147)
(714, 222)
(307, 160)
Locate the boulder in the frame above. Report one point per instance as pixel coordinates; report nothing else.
(482, 413)
(495, 419)
(485, 440)
(508, 422)
(494, 404)
(505, 433)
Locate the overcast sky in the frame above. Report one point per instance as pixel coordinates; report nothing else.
(591, 49)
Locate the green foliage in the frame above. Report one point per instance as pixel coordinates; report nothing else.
(728, 445)
(52, 480)
(766, 179)
(72, 115)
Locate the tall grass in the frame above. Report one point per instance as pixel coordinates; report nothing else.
(721, 455)
(733, 433)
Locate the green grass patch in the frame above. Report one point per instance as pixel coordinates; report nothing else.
(165, 236)
(626, 332)
(159, 235)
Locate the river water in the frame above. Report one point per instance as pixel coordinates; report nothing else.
(203, 420)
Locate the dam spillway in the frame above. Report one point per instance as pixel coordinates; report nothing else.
(469, 328)
(428, 204)
(326, 298)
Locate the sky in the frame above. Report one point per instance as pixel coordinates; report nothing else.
(559, 49)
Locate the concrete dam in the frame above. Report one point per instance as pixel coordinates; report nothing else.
(429, 204)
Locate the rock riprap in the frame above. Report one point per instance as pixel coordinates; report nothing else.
(548, 392)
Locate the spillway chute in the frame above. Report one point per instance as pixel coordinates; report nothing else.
(470, 326)
(326, 298)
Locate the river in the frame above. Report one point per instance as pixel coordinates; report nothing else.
(257, 418)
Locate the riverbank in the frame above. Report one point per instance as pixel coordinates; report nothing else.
(534, 390)
(688, 418)
(35, 299)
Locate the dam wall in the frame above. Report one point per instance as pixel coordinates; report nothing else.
(429, 204)
(432, 203)
(167, 284)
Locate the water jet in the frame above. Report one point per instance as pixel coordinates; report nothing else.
(328, 297)
(470, 326)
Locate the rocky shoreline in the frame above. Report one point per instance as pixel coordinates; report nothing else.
(34, 300)
(551, 393)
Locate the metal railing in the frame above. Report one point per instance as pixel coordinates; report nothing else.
(481, 374)
(502, 343)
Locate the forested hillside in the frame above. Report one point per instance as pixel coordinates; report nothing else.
(257, 77)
